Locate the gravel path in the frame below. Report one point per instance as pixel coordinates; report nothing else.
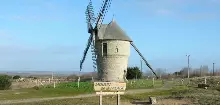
(135, 91)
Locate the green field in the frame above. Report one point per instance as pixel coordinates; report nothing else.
(144, 84)
(68, 89)
(109, 100)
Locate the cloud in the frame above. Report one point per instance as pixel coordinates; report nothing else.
(5, 36)
(35, 10)
(200, 16)
(32, 18)
(181, 9)
(215, 1)
(163, 12)
(24, 50)
(54, 57)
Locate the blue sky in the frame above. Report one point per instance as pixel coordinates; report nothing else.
(51, 34)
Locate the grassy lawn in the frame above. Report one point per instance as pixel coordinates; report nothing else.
(109, 100)
(144, 84)
(41, 93)
(68, 89)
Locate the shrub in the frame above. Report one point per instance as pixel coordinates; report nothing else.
(133, 72)
(32, 77)
(16, 77)
(5, 82)
(36, 88)
(218, 88)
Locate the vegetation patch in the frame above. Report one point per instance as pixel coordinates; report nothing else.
(67, 89)
(108, 100)
(174, 91)
(5, 82)
(144, 84)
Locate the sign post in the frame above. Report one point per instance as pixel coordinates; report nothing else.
(118, 99)
(100, 98)
(182, 81)
(153, 81)
(109, 88)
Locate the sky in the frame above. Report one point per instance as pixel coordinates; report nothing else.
(51, 35)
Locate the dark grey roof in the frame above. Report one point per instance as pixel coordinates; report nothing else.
(112, 31)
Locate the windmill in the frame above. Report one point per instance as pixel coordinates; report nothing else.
(110, 46)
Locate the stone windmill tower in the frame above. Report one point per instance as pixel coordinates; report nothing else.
(113, 50)
(110, 46)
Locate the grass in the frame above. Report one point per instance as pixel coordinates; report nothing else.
(143, 96)
(62, 89)
(132, 84)
(41, 93)
(144, 84)
(67, 89)
(109, 100)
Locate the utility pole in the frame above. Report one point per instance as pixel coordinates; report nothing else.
(52, 76)
(188, 64)
(213, 69)
(141, 66)
(200, 71)
(141, 69)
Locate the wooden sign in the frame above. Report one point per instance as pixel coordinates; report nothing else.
(109, 86)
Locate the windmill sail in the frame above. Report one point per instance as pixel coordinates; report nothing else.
(94, 56)
(101, 15)
(90, 17)
(144, 59)
(85, 51)
(90, 20)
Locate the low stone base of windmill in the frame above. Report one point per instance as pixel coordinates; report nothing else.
(153, 100)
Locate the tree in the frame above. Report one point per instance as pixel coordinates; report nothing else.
(16, 77)
(184, 71)
(5, 82)
(72, 77)
(160, 72)
(133, 72)
(204, 70)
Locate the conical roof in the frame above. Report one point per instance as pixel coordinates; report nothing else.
(112, 31)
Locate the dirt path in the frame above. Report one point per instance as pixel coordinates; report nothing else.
(135, 91)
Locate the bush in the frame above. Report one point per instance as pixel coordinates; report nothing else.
(5, 82)
(36, 88)
(202, 85)
(218, 88)
(133, 72)
(32, 77)
(16, 77)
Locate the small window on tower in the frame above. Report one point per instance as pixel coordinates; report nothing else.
(116, 50)
(104, 48)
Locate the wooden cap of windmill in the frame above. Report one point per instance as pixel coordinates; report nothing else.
(112, 31)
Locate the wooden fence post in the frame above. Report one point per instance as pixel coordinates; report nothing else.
(100, 98)
(78, 81)
(153, 81)
(118, 99)
(54, 84)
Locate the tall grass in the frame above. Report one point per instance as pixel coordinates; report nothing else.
(132, 84)
(144, 84)
(69, 89)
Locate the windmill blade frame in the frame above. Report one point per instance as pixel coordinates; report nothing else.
(90, 17)
(132, 44)
(90, 20)
(86, 50)
(101, 15)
